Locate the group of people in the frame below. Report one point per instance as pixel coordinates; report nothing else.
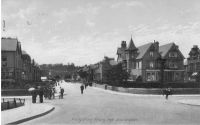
(47, 93)
(38, 91)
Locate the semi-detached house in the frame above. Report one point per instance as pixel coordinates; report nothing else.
(144, 61)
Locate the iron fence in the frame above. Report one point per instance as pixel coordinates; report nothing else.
(9, 103)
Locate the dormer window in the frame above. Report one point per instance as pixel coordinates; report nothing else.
(151, 53)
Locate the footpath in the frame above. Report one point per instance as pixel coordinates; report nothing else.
(193, 101)
(27, 112)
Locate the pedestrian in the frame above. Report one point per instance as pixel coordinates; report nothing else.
(53, 93)
(82, 88)
(49, 93)
(41, 94)
(167, 92)
(45, 93)
(34, 96)
(61, 93)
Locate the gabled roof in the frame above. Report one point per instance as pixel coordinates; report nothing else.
(9, 44)
(163, 50)
(131, 45)
(142, 50)
(121, 50)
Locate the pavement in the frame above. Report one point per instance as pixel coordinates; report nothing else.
(192, 102)
(27, 112)
(31, 111)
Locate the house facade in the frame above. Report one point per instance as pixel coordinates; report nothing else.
(11, 66)
(174, 65)
(16, 66)
(193, 63)
(144, 62)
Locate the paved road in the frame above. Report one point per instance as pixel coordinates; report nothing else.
(99, 107)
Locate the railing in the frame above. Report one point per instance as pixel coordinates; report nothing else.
(9, 103)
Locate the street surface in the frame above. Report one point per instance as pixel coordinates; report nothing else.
(98, 106)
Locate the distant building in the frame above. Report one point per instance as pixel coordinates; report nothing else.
(100, 68)
(26, 67)
(144, 61)
(193, 63)
(16, 66)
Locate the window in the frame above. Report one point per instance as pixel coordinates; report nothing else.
(151, 54)
(3, 75)
(151, 65)
(151, 76)
(4, 58)
(172, 54)
(172, 65)
(4, 64)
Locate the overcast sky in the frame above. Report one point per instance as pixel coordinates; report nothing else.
(83, 31)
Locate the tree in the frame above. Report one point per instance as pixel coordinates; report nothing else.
(83, 74)
(116, 75)
(57, 77)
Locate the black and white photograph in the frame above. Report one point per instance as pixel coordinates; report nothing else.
(100, 62)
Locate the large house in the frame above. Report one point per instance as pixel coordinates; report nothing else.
(145, 61)
(16, 66)
(193, 63)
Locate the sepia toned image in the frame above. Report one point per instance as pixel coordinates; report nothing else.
(100, 62)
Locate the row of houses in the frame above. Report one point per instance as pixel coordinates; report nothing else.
(17, 67)
(151, 62)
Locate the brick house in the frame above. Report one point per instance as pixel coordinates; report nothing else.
(16, 66)
(144, 61)
(11, 67)
(193, 63)
(174, 66)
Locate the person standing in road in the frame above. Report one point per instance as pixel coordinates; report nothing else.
(41, 94)
(53, 93)
(62, 92)
(82, 88)
(167, 92)
(34, 96)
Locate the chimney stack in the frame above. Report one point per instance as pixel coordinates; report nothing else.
(123, 44)
(156, 45)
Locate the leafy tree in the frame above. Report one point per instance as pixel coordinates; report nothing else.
(116, 75)
(57, 77)
(83, 74)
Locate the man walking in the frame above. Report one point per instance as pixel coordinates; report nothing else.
(41, 94)
(62, 92)
(82, 88)
(167, 92)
